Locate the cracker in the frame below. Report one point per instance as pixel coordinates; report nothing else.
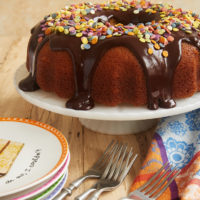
(8, 155)
(3, 144)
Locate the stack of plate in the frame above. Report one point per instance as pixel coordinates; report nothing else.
(41, 168)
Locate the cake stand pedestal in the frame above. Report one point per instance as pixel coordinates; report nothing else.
(117, 120)
(118, 127)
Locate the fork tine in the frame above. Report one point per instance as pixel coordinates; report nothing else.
(126, 162)
(113, 169)
(121, 162)
(157, 180)
(127, 169)
(166, 186)
(162, 183)
(124, 167)
(153, 177)
(105, 173)
(105, 154)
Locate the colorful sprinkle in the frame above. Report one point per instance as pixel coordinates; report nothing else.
(79, 35)
(175, 29)
(94, 40)
(47, 31)
(136, 12)
(142, 40)
(84, 40)
(108, 36)
(130, 33)
(102, 37)
(40, 39)
(165, 53)
(60, 28)
(87, 46)
(150, 51)
(156, 46)
(66, 31)
(170, 38)
(73, 20)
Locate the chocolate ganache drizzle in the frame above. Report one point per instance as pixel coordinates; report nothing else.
(158, 68)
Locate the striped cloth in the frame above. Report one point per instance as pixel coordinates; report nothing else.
(176, 140)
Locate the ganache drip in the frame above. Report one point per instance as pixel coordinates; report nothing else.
(158, 59)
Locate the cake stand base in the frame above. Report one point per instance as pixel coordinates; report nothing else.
(118, 127)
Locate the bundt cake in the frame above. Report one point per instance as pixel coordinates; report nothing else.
(115, 53)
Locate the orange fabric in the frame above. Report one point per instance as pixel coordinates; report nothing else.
(177, 141)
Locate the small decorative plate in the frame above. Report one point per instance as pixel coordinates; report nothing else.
(41, 188)
(53, 190)
(44, 152)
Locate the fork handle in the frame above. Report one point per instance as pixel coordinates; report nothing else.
(68, 191)
(96, 195)
(64, 192)
(85, 194)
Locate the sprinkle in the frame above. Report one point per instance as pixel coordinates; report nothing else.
(83, 12)
(161, 45)
(170, 38)
(196, 24)
(40, 35)
(82, 46)
(54, 15)
(109, 32)
(163, 40)
(165, 53)
(66, 31)
(47, 31)
(94, 40)
(40, 39)
(72, 30)
(87, 46)
(49, 18)
(108, 36)
(142, 40)
(73, 20)
(148, 40)
(130, 33)
(50, 24)
(77, 26)
(156, 46)
(150, 51)
(147, 36)
(92, 11)
(136, 12)
(161, 31)
(84, 40)
(78, 34)
(102, 37)
(189, 32)
(60, 28)
(175, 29)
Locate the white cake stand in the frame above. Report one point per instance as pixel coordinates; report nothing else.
(111, 120)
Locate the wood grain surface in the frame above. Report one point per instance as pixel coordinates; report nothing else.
(16, 19)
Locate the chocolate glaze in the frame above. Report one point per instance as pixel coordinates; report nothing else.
(158, 70)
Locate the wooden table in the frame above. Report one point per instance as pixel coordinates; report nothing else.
(16, 19)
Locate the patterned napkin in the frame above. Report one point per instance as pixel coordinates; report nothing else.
(177, 140)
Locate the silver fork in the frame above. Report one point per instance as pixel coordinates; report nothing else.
(94, 172)
(112, 178)
(152, 189)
